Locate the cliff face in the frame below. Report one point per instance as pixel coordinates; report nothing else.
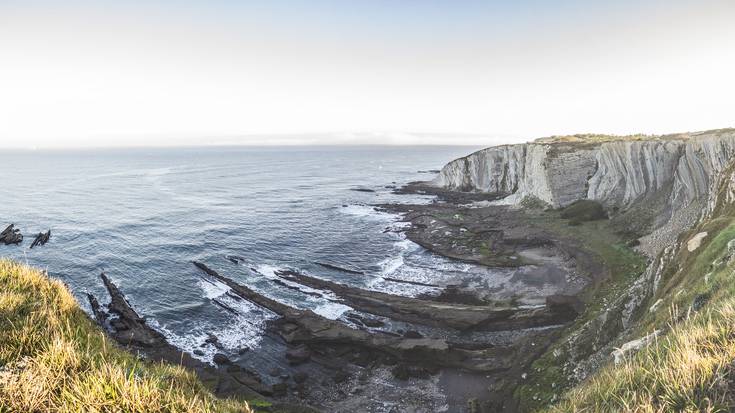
(617, 173)
(663, 181)
(678, 188)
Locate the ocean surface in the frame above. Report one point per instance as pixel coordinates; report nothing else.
(143, 215)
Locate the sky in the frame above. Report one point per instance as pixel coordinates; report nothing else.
(164, 72)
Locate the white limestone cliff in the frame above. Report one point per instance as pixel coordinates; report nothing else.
(615, 172)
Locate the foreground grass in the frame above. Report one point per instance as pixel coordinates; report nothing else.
(53, 358)
(690, 368)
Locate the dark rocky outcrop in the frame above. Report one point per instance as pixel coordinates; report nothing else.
(308, 330)
(41, 239)
(339, 268)
(131, 330)
(11, 235)
(432, 313)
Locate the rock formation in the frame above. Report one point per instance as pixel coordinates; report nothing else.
(11, 235)
(666, 179)
(616, 172)
(41, 239)
(658, 190)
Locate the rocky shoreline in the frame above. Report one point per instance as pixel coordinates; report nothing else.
(463, 349)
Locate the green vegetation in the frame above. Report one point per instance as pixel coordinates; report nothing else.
(531, 202)
(582, 211)
(548, 379)
(593, 138)
(689, 368)
(53, 358)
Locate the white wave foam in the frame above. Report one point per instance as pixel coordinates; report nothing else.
(245, 329)
(269, 271)
(331, 310)
(325, 304)
(390, 265)
(366, 211)
(213, 289)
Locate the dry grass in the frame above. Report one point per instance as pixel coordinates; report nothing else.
(690, 368)
(54, 359)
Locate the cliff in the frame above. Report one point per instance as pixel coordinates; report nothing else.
(662, 182)
(663, 340)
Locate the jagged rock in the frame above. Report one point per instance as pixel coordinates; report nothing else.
(341, 268)
(11, 235)
(130, 329)
(301, 327)
(41, 239)
(425, 312)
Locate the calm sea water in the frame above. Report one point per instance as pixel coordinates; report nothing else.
(143, 215)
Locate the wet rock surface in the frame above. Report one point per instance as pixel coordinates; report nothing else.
(131, 330)
(464, 345)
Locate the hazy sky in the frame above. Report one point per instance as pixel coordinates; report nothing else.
(102, 73)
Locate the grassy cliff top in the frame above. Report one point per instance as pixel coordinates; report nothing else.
(53, 358)
(595, 138)
(592, 138)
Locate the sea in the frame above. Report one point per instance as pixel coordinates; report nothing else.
(143, 215)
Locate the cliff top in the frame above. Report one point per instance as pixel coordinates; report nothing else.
(595, 138)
